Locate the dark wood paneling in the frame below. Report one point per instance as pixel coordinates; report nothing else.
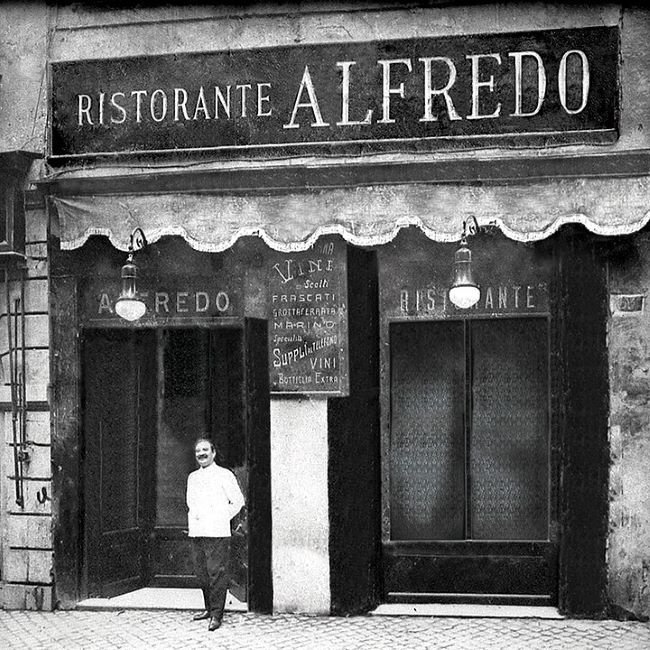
(67, 499)
(172, 559)
(583, 422)
(228, 396)
(260, 581)
(118, 457)
(467, 574)
(117, 563)
(465, 548)
(354, 453)
(471, 599)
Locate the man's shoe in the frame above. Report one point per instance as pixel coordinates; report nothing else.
(201, 616)
(215, 624)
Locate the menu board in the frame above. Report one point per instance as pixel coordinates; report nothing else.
(308, 320)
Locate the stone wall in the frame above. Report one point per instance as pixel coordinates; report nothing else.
(23, 81)
(25, 531)
(26, 537)
(628, 555)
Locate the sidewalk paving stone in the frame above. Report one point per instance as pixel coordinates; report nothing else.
(168, 630)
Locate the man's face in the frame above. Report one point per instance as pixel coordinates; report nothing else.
(204, 453)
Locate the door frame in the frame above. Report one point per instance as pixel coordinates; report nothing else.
(579, 308)
(448, 556)
(161, 534)
(257, 423)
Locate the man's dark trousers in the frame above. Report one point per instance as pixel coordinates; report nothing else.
(211, 556)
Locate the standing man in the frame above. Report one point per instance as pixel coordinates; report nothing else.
(213, 499)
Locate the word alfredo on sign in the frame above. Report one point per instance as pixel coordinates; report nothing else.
(559, 84)
(168, 299)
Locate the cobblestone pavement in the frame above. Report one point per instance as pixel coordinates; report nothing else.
(71, 630)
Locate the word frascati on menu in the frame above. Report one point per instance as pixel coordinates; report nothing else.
(308, 320)
(557, 84)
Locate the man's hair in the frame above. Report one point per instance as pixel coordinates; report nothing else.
(205, 439)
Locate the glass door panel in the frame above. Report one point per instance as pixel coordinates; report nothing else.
(509, 450)
(427, 446)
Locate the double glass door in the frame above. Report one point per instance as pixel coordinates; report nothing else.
(470, 481)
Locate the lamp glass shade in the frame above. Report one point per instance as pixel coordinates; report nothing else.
(129, 305)
(464, 292)
(130, 309)
(465, 296)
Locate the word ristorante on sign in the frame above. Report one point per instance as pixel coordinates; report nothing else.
(504, 298)
(255, 99)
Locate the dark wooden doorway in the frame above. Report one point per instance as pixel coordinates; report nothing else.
(472, 482)
(200, 389)
(147, 395)
(119, 425)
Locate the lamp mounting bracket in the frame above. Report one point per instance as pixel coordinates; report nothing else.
(472, 227)
(137, 240)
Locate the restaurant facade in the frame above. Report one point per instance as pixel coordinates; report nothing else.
(394, 260)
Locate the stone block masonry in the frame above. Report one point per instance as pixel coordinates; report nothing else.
(26, 578)
(629, 491)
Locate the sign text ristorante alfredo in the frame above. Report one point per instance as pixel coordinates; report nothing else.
(553, 83)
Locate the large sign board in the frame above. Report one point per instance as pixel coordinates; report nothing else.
(308, 320)
(514, 88)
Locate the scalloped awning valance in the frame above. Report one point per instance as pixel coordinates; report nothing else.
(366, 216)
